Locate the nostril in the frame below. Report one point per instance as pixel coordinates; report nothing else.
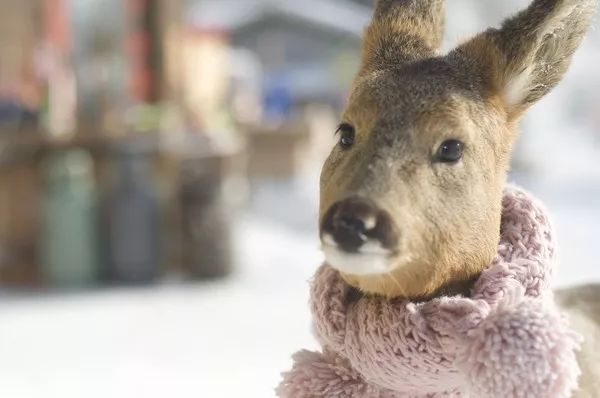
(351, 224)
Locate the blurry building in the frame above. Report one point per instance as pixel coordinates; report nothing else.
(306, 50)
(288, 64)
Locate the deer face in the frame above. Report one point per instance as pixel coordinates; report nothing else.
(411, 195)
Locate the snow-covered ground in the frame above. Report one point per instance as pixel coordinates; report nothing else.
(225, 339)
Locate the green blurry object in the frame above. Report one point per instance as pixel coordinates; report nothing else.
(68, 238)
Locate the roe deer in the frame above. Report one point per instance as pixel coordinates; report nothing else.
(411, 196)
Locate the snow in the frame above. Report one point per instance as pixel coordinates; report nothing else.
(224, 339)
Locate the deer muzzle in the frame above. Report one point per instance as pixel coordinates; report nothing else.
(358, 237)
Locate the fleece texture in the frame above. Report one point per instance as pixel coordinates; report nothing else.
(508, 339)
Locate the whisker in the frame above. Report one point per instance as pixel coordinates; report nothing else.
(398, 285)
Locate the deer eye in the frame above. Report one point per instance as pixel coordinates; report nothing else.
(347, 133)
(451, 151)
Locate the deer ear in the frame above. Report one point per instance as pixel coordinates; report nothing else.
(528, 56)
(403, 31)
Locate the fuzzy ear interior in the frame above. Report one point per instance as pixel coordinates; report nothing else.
(403, 31)
(528, 56)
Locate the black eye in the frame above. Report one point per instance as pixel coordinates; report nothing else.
(346, 135)
(450, 151)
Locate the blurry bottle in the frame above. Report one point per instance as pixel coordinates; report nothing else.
(68, 237)
(206, 241)
(133, 221)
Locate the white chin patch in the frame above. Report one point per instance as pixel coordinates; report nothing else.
(371, 259)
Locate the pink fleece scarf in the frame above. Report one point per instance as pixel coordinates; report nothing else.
(507, 340)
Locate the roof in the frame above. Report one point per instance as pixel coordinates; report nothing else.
(338, 15)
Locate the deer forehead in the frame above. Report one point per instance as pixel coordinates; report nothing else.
(424, 111)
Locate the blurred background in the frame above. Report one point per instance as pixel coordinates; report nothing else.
(159, 166)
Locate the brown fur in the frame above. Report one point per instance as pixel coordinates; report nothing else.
(407, 100)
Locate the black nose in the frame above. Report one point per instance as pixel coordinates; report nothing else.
(354, 221)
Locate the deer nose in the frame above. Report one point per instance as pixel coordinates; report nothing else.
(353, 222)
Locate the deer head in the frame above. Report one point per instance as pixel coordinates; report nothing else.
(411, 194)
